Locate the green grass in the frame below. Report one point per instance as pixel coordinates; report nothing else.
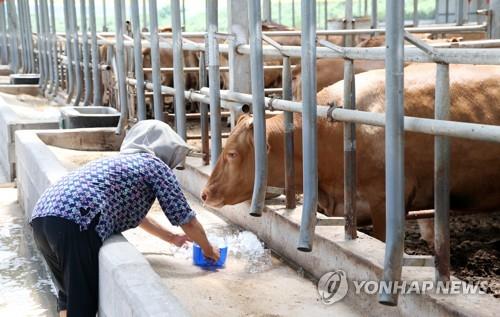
(195, 12)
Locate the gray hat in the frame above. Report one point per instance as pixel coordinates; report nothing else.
(157, 138)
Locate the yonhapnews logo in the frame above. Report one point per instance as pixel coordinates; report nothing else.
(333, 287)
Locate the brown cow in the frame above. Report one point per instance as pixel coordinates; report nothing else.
(474, 172)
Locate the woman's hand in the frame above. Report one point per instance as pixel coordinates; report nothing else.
(179, 239)
(212, 253)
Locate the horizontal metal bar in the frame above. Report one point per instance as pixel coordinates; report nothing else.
(472, 131)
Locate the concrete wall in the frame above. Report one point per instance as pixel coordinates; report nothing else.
(128, 286)
(9, 124)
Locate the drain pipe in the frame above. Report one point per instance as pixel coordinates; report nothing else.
(155, 60)
(85, 51)
(70, 89)
(120, 67)
(76, 52)
(309, 129)
(258, 108)
(394, 150)
(214, 81)
(139, 73)
(180, 107)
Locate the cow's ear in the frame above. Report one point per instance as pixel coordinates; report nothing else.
(242, 118)
(249, 123)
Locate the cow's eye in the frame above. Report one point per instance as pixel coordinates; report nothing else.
(232, 155)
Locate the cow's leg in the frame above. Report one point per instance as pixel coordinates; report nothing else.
(377, 207)
(426, 227)
(326, 202)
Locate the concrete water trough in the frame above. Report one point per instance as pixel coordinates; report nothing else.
(133, 281)
(89, 117)
(24, 79)
(143, 276)
(19, 112)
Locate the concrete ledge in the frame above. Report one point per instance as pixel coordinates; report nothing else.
(4, 70)
(361, 259)
(33, 90)
(89, 117)
(9, 124)
(128, 285)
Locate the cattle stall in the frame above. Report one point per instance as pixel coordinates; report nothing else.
(71, 65)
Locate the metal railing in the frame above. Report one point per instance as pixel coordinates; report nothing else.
(65, 61)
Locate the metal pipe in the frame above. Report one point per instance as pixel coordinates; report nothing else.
(139, 73)
(155, 60)
(69, 54)
(214, 80)
(309, 129)
(120, 68)
(38, 44)
(144, 15)
(3, 33)
(104, 16)
(279, 11)
(289, 142)
(183, 14)
(85, 52)
(374, 17)
(349, 136)
(442, 177)
(267, 10)
(460, 12)
(326, 14)
(14, 47)
(30, 38)
(258, 108)
(293, 13)
(96, 73)
(415, 13)
(178, 56)
(55, 62)
(48, 47)
(394, 150)
(204, 112)
(76, 51)
(22, 37)
(49, 72)
(495, 19)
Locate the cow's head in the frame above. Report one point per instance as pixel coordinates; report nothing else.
(232, 179)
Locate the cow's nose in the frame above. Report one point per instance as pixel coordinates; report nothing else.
(204, 195)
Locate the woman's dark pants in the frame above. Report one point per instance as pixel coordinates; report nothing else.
(72, 256)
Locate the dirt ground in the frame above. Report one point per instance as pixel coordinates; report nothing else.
(475, 247)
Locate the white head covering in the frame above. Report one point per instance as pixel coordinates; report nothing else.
(157, 138)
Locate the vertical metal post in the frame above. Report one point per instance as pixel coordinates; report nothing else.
(293, 13)
(53, 39)
(279, 11)
(104, 16)
(76, 51)
(442, 177)
(447, 13)
(214, 80)
(85, 51)
(144, 14)
(415, 13)
(69, 54)
(326, 14)
(259, 114)
(180, 107)
(3, 34)
(39, 44)
(31, 50)
(374, 16)
(460, 12)
(239, 64)
(267, 10)
(204, 111)
(14, 47)
(96, 73)
(139, 73)
(309, 128)
(47, 52)
(120, 67)
(22, 36)
(155, 60)
(495, 19)
(183, 24)
(289, 144)
(394, 149)
(349, 137)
